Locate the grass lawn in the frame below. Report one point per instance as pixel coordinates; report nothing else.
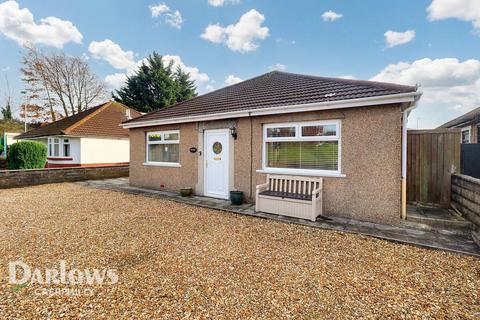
(178, 261)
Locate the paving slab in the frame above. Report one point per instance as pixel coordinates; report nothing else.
(462, 244)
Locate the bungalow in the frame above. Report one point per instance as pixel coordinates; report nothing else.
(93, 137)
(469, 123)
(7, 140)
(351, 133)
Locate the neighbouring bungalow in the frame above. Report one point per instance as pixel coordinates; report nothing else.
(351, 133)
(93, 137)
(7, 140)
(469, 123)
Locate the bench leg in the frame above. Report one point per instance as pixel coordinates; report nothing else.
(316, 207)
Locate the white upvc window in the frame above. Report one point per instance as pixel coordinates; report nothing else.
(66, 147)
(58, 147)
(303, 147)
(163, 148)
(466, 135)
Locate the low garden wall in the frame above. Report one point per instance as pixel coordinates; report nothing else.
(22, 178)
(466, 199)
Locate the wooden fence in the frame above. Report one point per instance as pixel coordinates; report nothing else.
(432, 156)
(470, 160)
(466, 199)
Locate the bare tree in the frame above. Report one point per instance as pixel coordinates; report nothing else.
(59, 83)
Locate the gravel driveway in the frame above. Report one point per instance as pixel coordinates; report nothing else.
(179, 261)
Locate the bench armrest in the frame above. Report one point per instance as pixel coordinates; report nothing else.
(262, 187)
(318, 190)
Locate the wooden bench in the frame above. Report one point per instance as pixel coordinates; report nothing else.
(293, 196)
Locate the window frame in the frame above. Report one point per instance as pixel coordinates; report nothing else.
(69, 147)
(61, 142)
(162, 141)
(298, 137)
(469, 130)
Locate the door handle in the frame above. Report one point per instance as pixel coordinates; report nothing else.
(206, 163)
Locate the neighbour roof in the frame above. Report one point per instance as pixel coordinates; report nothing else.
(463, 120)
(100, 121)
(275, 89)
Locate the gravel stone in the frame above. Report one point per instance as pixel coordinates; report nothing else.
(180, 261)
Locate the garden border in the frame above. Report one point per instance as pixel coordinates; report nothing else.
(30, 177)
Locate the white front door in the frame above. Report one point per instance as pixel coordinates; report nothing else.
(216, 164)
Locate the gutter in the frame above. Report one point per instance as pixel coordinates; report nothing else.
(409, 97)
(406, 112)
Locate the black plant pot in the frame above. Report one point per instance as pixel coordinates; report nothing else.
(186, 192)
(236, 197)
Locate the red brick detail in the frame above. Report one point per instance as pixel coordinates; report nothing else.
(59, 158)
(61, 165)
(72, 165)
(104, 164)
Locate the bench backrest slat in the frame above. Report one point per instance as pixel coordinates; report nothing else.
(293, 184)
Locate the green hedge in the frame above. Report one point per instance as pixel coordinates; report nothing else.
(26, 155)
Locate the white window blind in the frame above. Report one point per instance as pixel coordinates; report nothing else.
(303, 147)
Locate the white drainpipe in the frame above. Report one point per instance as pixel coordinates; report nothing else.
(406, 112)
(404, 165)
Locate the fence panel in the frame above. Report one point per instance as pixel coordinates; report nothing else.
(466, 199)
(470, 160)
(431, 156)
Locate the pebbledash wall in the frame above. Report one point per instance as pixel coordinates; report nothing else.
(370, 160)
(23, 178)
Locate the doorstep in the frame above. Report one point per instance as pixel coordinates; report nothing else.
(457, 243)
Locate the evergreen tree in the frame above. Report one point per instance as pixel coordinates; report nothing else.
(7, 112)
(155, 85)
(186, 87)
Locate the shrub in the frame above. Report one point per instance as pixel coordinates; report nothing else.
(26, 155)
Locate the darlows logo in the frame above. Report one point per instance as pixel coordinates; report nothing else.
(21, 274)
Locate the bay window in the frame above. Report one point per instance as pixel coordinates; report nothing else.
(58, 147)
(163, 147)
(302, 147)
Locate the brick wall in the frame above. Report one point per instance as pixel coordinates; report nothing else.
(466, 199)
(22, 178)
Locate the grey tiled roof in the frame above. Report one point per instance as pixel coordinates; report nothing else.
(463, 120)
(275, 89)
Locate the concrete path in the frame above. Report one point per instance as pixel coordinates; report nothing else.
(458, 243)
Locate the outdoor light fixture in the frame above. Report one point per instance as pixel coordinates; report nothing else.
(233, 132)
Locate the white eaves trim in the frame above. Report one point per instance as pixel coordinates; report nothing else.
(340, 104)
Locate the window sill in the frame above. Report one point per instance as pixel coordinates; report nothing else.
(311, 174)
(162, 164)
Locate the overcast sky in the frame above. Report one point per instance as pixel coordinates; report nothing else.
(432, 43)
